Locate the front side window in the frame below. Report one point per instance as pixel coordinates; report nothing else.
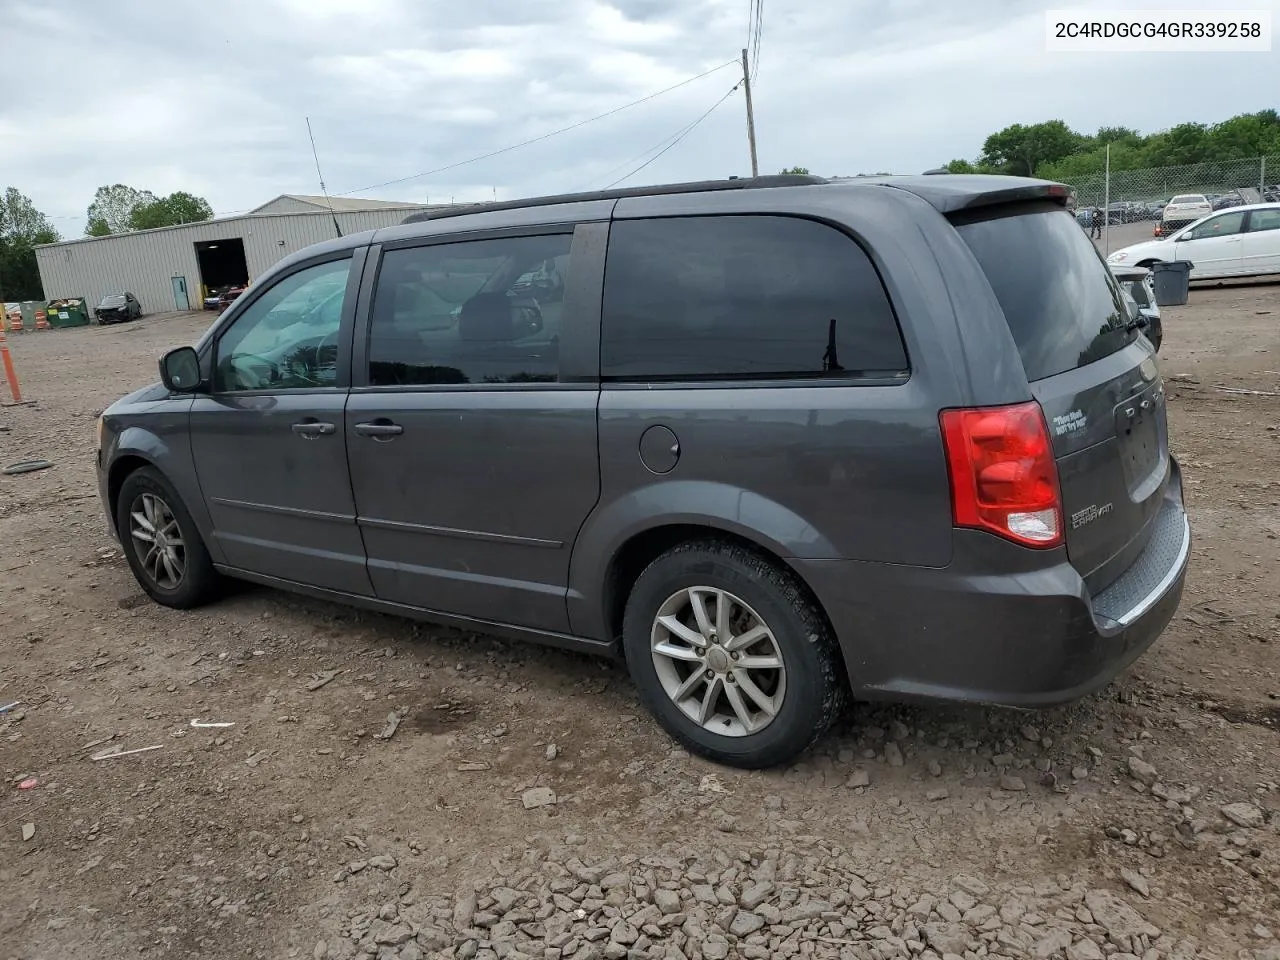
(743, 297)
(287, 339)
(1226, 225)
(478, 312)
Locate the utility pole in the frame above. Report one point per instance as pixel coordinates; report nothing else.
(751, 119)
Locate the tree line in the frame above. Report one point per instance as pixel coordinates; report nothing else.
(1054, 151)
(115, 209)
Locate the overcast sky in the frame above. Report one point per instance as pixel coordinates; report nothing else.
(210, 97)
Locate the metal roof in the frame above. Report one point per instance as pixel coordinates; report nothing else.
(338, 204)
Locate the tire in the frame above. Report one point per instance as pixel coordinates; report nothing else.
(199, 582)
(810, 685)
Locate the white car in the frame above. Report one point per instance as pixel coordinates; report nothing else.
(1238, 242)
(1187, 207)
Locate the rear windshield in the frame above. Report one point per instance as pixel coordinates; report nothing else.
(1063, 306)
(1189, 198)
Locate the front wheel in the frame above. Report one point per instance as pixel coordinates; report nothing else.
(731, 656)
(162, 544)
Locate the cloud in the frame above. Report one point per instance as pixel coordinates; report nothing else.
(179, 94)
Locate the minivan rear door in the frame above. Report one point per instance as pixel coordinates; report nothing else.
(1092, 372)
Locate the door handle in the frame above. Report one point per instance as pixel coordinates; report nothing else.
(380, 429)
(310, 429)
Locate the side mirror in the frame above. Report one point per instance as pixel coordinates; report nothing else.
(180, 370)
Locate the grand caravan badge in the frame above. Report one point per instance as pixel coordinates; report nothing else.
(1090, 514)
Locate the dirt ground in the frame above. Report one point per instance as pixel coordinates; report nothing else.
(938, 832)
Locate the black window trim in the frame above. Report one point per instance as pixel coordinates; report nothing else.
(586, 252)
(748, 381)
(342, 383)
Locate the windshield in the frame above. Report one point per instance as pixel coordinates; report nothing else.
(112, 300)
(1063, 306)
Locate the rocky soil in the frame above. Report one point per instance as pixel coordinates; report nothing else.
(391, 790)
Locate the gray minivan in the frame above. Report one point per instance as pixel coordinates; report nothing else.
(775, 442)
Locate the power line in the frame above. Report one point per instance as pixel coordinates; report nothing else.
(538, 139)
(755, 27)
(678, 137)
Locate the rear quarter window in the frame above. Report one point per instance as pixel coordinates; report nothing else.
(1063, 306)
(744, 297)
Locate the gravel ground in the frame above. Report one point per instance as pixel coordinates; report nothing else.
(392, 790)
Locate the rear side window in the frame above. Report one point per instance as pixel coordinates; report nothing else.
(479, 312)
(1063, 306)
(743, 297)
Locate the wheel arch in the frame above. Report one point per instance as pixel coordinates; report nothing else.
(642, 548)
(120, 469)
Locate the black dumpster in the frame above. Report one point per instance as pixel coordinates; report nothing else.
(1172, 280)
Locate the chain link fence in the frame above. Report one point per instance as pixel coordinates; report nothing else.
(1136, 195)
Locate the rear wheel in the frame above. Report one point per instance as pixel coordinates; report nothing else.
(162, 544)
(731, 656)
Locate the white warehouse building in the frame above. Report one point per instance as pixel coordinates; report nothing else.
(175, 268)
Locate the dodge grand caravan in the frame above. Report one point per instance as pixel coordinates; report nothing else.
(775, 442)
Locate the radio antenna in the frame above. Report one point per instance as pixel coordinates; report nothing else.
(316, 157)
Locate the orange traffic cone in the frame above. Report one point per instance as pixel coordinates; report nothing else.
(42, 319)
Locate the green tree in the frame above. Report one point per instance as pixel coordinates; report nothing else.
(1020, 150)
(114, 206)
(795, 171)
(1125, 135)
(1185, 143)
(22, 228)
(177, 208)
(97, 228)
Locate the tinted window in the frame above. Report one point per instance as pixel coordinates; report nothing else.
(1260, 220)
(1063, 306)
(288, 337)
(487, 311)
(743, 297)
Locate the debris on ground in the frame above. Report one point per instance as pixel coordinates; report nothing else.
(320, 678)
(538, 797)
(111, 755)
(26, 466)
(389, 728)
(28, 831)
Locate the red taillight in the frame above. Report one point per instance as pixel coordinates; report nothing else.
(1003, 477)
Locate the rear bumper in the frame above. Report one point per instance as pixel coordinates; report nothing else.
(1031, 636)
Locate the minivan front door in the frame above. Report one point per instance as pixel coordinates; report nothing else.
(473, 461)
(269, 438)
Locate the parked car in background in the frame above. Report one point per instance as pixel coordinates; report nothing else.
(117, 308)
(214, 300)
(229, 296)
(1239, 242)
(1225, 201)
(1187, 208)
(774, 465)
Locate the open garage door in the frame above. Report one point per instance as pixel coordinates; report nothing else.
(222, 266)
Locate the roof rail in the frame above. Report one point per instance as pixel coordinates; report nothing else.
(744, 183)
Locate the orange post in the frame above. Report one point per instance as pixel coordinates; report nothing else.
(10, 374)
